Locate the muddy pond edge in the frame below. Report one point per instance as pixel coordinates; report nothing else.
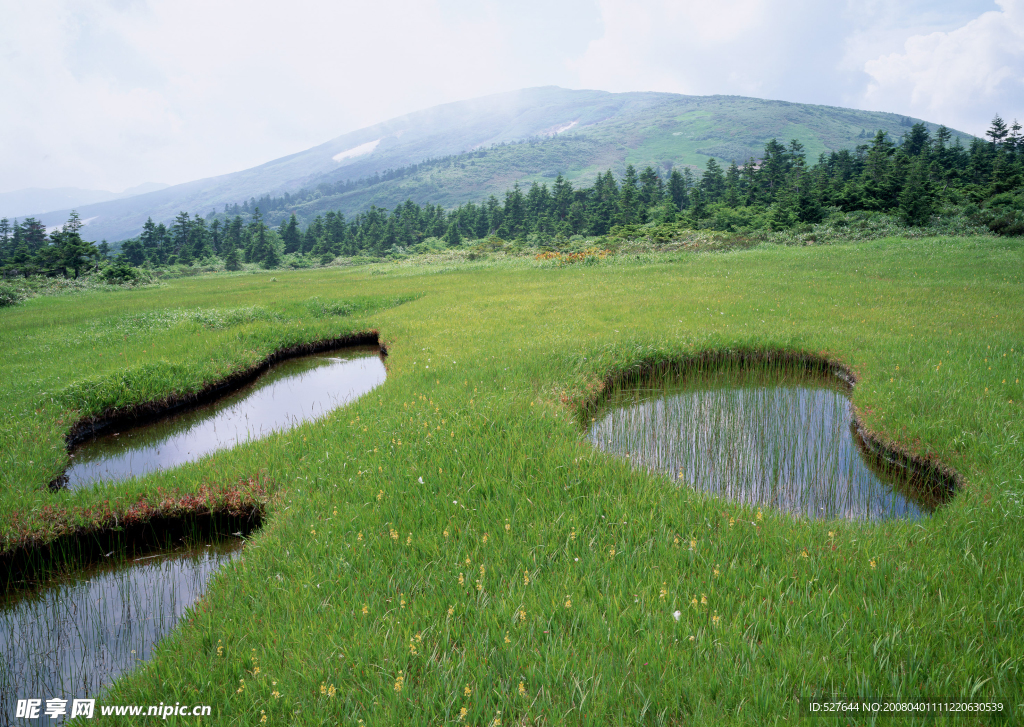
(143, 412)
(26, 552)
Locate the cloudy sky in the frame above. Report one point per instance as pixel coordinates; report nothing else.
(108, 94)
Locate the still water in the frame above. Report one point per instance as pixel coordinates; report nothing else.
(771, 439)
(74, 634)
(289, 393)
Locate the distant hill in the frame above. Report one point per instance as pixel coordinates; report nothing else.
(545, 131)
(35, 200)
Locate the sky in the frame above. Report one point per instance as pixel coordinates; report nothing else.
(109, 94)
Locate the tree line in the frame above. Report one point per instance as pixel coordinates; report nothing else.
(915, 177)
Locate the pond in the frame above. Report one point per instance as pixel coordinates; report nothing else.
(74, 633)
(289, 393)
(775, 438)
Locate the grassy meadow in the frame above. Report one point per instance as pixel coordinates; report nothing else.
(451, 550)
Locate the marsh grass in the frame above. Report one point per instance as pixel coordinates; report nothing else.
(356, 600)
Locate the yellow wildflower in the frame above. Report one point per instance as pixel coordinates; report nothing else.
(399, 682)
(462, 580)
(366, 609)
(526, 578)
(568, 602)
(664, 591)
(522, 689)
(467, 691)
(451, 610)
(507, 639)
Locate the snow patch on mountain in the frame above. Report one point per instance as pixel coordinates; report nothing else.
(356, 151)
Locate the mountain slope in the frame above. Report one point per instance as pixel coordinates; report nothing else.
(577, 133)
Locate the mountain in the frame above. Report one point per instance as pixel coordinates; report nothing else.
(35, 201)
(496, 140)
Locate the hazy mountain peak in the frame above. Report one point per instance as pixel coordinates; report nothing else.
(574, 132)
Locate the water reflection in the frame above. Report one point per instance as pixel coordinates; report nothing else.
(74, 634)
(290, 393)
(761, 438)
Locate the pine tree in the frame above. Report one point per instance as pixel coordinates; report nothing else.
(998, 131)
(231, 259)
(916, 199)
(290, 235)
(452, 236)
(677, 190)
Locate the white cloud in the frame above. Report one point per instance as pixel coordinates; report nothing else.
(108, 94)
(767, 48)
(961, 77)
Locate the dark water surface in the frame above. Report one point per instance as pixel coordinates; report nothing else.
(289, 393)
(74, 634)
(764, 438)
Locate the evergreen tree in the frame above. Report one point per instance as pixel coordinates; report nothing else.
(629, 198)
(652, 190)
(6, 250)
(712, 183)
(732, 185)
(916, 140)
(916, 200)
(677, 190)
(290, 235)
(231, 259)
(452, 236)
(998, 131)
(69, 250)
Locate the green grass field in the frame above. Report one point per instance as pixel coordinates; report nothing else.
(450, 550)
